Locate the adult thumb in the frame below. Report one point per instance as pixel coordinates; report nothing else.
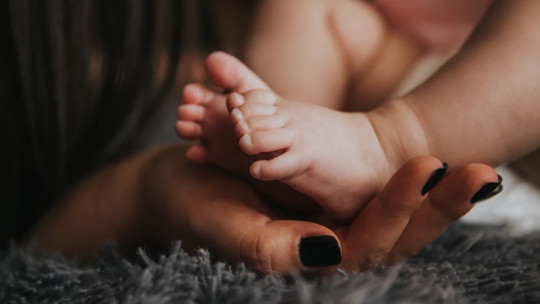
(284, 245)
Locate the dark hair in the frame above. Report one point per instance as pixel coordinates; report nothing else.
(77, 77)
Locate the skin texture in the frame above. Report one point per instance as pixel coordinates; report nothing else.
(494, 79)
(171, 198)
(159, 196)
(348, 37)
(294, 143)
(297, 142)
(337, 54)
(439, 25)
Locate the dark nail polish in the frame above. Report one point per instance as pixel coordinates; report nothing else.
(488, 190)
(318, 251)
(435, 178)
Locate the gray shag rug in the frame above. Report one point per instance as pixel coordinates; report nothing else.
(477, 264)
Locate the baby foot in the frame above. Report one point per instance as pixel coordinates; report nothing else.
(332, 156)
(204, 113)
(204, 117)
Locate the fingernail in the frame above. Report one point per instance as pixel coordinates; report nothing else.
(239, 99)
(488, 190)
(319, 251)
(237, 115)
(435, 178)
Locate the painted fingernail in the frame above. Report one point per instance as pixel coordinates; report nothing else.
(237, 115)
(239, 99)
(488, 190)
(319, 251)
(435, 178)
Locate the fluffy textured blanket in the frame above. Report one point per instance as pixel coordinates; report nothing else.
(469, 263)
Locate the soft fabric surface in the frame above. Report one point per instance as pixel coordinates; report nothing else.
(479, 261)
(470, 263)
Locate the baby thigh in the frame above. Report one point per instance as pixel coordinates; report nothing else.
(301, 48)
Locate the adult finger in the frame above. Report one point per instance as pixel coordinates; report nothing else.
(229, 218)
(375, 230)
(451, 199)
(240, 233)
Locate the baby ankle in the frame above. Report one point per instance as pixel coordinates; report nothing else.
(400, 133)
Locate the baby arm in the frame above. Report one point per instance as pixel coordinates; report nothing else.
(483, 104)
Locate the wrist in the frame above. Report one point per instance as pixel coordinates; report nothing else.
(400, 133)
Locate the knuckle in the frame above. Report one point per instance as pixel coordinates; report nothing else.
(258, 253)
(371, 260)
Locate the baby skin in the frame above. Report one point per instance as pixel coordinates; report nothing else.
(276, 139)
(314, 150)
(459, 120)
(334, 157)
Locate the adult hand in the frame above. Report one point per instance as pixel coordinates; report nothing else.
(207, 208)
(400, 221)
(158, 195)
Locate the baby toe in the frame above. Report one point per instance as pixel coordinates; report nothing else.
(266, 141)
(188, 130)
(197, 153)
(259, 123)
(261, 96)
(196, 93)
(191, 112)
(247, 110)
(280, 167)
